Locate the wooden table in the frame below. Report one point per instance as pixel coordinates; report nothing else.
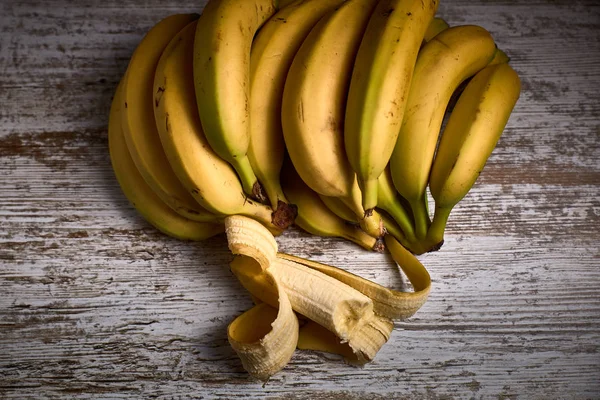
(94, 303)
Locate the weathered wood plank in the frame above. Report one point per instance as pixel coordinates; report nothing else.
(95, 303)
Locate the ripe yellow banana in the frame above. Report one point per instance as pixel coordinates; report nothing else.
(436, 26)
(500, 57)
(472, 131)
(210, 179)
(137, 191)
(379, 88)
(444, 62)
(221, 78)
(138, 121)
(313, 107)
(339, 208)
(273, 50)
(314, 216)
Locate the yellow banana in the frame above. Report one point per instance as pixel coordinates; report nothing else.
(313, 107)
(339, 208)
(137, 191)
(500, 57)
(138, 122)
(210, 179)
(436, 26)
(444, 62)
(314, 216)
(471, 133)
(273, 50)
(379, 87)
(221, 78)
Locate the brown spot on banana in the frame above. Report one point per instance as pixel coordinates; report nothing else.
(301, 111)
(159, 94)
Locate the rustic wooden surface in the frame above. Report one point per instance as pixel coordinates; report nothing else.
(95, 303)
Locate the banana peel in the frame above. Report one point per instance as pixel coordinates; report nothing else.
(311, 306)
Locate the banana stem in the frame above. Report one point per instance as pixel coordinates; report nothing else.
(370, 223)
(435, 234)
(399, 214)
(369, 194)
(395, 230)
(246, 174)
(421, 215)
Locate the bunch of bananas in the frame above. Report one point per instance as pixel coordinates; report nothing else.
(325, 114)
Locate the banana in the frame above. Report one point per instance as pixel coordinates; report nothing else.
(282, 283)
(436, 26)
(273, 50)
(137, 191)
(138, 123)
(379, 87)
(210, 179)
(500, 57)
(444, 62)
(471, 133)
(221, 78)
(314, 217)
(339, 208)
(387, 302)
(264, 337)
(313, 107)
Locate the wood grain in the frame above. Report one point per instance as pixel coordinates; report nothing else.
(94, 303)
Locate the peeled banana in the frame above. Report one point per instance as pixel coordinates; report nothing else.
(354, 316)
